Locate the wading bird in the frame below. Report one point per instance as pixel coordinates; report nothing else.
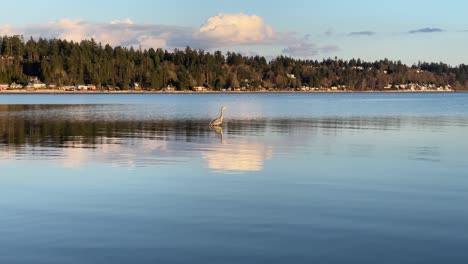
(218, 121)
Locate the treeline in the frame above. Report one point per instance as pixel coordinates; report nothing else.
(63, 63)
(41, 130)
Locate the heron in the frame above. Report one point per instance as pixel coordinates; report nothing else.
(218, 121)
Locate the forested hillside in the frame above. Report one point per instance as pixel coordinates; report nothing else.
(62, 63)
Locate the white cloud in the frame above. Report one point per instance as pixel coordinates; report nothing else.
(6, 30)
(75, 30)
(223, 31)
(236, 29)
(152, 41)
(116, 32)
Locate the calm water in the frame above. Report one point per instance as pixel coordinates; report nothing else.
(290, 178)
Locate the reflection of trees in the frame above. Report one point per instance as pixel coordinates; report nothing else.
(75, 135)
(21, 131)
(56, 126)
(59, 132)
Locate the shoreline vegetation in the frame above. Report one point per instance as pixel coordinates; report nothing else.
(61, 66)
(57, 91)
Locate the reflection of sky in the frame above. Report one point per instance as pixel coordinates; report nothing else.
(246, 146)
(250, 106)
(128, 183)
(238, 157)
(260, 130)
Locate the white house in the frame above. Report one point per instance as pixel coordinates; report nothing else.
(15, 86)
(168, 89)
(82, 87)
(34, 83)
(199, 88)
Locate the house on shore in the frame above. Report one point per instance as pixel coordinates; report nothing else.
(35, 83)
(68, 88)
(16, 86)
(136, 86)
(199, 89)
(4, 86)
(82, 87)
(168, 89)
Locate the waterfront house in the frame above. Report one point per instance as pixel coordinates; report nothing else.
(82, 87)
(4, 86)
(168, 89)
(136, 86)
(15, 86)
(199, 89)
(69, 88)
(35, 83)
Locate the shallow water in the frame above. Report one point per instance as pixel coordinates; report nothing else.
(290, 178)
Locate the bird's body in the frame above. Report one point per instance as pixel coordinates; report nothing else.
(218, 121)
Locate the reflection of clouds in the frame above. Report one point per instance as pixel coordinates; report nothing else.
(74, 157)
(7, 153)
(222, 157)
(120, 154)
(241, 145)
(219, 131)
(238, 157)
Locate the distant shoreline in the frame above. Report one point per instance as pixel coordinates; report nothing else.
(6, 92)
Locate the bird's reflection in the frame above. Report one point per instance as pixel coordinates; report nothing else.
(47, 133)
(237, 155)
(219, 130)
(55, 133)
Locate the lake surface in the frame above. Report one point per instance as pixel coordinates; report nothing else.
(290, 178)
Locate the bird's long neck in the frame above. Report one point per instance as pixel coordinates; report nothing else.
(222, 114)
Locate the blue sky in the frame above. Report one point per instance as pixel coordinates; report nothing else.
(310, 29)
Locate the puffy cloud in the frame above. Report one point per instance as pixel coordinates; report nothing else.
(426, 30)
(116, 32)
(223, 31)
(362, 33)
(75, 30)
(6, 30)
(152, 41)
(236, 29)
(218, 31)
